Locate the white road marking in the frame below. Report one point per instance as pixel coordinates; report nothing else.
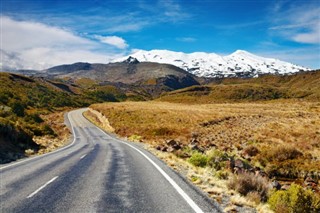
(83, 156)
(186, 197)
(43, 186)
(58, 150)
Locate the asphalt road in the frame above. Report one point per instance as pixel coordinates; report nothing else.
(97, 173)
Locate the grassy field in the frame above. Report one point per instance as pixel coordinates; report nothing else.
(231, 127)
(281, 138)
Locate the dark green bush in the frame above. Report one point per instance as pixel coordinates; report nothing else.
(17, 108)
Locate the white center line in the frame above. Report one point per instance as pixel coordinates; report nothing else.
(46, 184)
(83, 156)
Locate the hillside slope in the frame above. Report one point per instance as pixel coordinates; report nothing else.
(141, 79)
(127, 72)
(25, 101)
(22, 101)
(303, 85)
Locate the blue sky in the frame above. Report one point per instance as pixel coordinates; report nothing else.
(54, 31)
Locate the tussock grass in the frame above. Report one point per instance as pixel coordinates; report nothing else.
(303, 85)
(280, 137)
(262, 131)
(249, 184)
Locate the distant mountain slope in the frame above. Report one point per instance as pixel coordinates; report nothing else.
(128, 72)
(269, 87)
(238, 64)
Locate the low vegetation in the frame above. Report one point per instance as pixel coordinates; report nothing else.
(269, 87)
(296, 199)
(25, 105)
(248, 183)
(198, 159)
(258, 138)
(247, 145)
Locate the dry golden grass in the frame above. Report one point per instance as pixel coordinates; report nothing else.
(225, 124)
(229, 127)
(270, 127)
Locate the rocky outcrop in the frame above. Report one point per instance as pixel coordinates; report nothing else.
(169, 146)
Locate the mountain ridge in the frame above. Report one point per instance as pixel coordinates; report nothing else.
(130, 71)
(240, 63)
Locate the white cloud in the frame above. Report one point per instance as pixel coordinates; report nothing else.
(131, 27)
(310, 38)
(299, 23)
(17, 35)
(113, 41)
(186, 39)
(172, 11)
(40, 46)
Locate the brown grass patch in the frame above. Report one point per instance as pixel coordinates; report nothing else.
(243, 128)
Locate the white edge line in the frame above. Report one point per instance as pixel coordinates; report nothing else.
(83, 156)
(186, 197)
(58, 150)
(43, 186)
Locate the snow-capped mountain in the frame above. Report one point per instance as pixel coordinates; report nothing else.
(240, 63)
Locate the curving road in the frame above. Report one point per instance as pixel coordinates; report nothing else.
(97, 173)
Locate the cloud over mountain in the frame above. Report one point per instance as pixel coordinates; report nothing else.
(41, 46)
(113, 41)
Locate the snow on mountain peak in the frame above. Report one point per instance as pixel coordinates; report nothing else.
(239, 63)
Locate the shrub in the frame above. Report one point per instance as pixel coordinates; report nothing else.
(18, 108)
(254, 197)
(136, 138)
(33, 118)
(222, 175)
(251, 150)
(294, 200)
(248, 183)
(282, 153)
(194, 178)
(288, 169)
(162, 131)
(217, 158)
(198, 159)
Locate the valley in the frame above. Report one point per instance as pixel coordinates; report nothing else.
(160, 106)
(209, 130)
